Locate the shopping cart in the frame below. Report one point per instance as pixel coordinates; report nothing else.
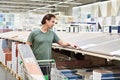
(46, 66)
(50, 71)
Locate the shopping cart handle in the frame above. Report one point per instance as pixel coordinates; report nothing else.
(50, 60)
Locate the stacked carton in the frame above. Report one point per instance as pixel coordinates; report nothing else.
(104, 74)
(85, 73)
(1, 51)
(5, 53)
(14, 57)
(71, 74)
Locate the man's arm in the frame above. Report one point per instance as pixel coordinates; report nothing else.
(65, 44)
(29, 43)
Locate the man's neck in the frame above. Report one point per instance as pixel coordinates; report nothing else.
(44, 29)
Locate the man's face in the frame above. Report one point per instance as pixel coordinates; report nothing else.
(50, 23)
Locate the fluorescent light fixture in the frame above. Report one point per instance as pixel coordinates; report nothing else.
(61, 6)
(46, 8)
(11, 6)
(67, 2)
(44, 1)
(11, 9)
(10, 2)
(43, 8)
(73, 3)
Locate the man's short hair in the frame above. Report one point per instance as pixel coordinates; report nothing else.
(47, 17)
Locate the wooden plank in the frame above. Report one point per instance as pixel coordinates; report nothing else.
(30, 62)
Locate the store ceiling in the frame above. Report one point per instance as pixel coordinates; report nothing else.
(40, 5)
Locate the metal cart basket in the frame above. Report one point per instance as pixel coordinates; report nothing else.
(50, 71)
(46, 66)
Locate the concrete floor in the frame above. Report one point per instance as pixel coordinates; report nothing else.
(5, 75)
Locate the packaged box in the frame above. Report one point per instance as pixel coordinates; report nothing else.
(104, 74)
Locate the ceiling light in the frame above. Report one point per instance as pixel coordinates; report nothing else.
(17, 6)
(11, 2)
(44, 0)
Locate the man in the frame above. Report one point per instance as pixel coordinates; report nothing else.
(41, 39)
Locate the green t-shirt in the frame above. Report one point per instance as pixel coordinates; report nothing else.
(42, 43)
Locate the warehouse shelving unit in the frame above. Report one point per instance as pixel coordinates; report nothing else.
(86, 41)
(90, 44)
